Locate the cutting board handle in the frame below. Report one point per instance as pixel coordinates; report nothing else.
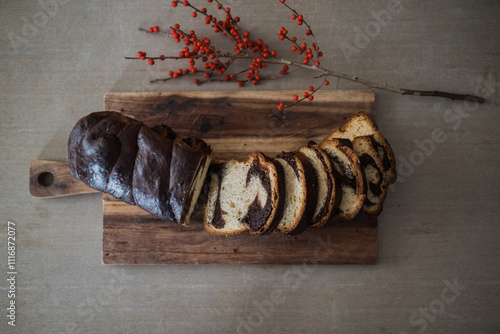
(53, 179)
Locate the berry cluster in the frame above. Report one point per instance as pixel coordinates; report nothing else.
(216, 63)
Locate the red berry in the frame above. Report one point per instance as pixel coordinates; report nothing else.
(151, 62)
(306, 94)
(241, 83)
(193, 14)
(308, 32)
(295, 97)
(282, 1)
(196, 81)
(156, 28)
(311, 88)
(306, 61)
(174, 3)
(311, 97)
(185, 3)
(317, 63)
(139, 53)
(300, 17)
(294, 48)
(162, 57)
(294, 16)
(327, 82)
(175, 75)
(151, 29)
(176, 26)
(300, 22)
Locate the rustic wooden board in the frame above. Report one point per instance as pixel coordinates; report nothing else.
(236, 123)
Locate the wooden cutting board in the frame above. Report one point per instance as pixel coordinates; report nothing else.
(234, 123)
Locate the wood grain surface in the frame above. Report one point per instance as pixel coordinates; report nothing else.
(50, 179)
(236, 123)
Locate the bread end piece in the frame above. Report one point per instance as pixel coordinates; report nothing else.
(363, 125)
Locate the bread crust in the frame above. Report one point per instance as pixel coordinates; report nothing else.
(152, 168)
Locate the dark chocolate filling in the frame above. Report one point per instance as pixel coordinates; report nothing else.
(381, 149)
(344, 177)
(345, 173)
(257, 216)
(345, 142)
(280, 208)
(374, 188)
(324, 209)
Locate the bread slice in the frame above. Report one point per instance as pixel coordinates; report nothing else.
(301, 192)
(373, 169)
(347, 169)
(362, 125)
(244, 196)
(329, 190)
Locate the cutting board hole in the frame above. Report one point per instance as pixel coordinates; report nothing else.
(46, 179)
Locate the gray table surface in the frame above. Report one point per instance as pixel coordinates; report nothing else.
(439, 253)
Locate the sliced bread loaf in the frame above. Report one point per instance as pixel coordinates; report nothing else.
(373, 169)
(362, 125)
(301, 192)
(347, 170)
(244, 196)
(329, 191)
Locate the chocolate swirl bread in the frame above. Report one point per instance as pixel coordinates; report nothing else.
(362, 125)
(244, 196)
(347, 170)
(152, 168)
(373, 170)
(329, 190)
(301, 192)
